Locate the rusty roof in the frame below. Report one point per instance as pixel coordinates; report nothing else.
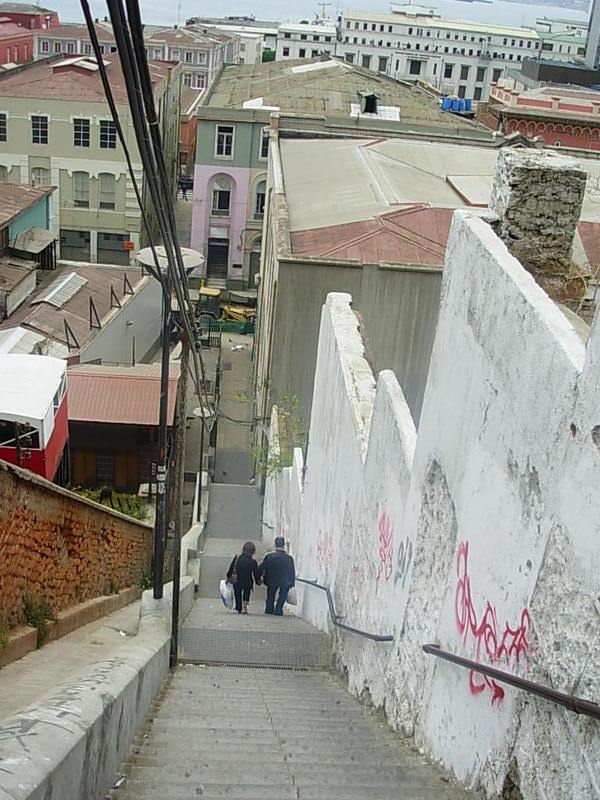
(75, 30)
(15, 198)
(48, 79)
(119, 395)
(49, 320)
(413, 235)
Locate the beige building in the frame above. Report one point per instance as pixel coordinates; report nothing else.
(56, 129)
(201, 50)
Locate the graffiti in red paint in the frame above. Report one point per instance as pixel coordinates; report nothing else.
(509, 645)
(325, 552)
(386, 549)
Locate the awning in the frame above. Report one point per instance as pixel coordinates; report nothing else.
(33, 240)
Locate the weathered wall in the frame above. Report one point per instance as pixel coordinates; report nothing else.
(479, 534)
(61, 548)
(398, 307)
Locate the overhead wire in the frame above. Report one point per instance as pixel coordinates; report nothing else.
(129, 39)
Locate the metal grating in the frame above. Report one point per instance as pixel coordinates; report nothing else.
(61, 290)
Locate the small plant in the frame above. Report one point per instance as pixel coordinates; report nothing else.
(3, 633)
(124, 502)
(113, 587)
(38, 613)
(146, 582)
(291, 434)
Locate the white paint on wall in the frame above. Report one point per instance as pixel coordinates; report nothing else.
(479, 534)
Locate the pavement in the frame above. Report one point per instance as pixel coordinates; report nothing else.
(259, 734)
(37, 674)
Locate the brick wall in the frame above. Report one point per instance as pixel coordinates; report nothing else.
(57, 546)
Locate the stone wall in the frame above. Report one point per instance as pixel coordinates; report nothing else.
(61, 548)
(479, 533)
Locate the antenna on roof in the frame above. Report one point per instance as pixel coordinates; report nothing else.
(323, 6)
(179, 13)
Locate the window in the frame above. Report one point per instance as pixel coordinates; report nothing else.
(39, 130)
(58, 47)
(81, 190)
(81, 133)
(382, 64)
(188, 56)
(45, 46)
(316, 38)
(496, 75)
(175, 55)
(366, 62)
(448, 70)
(264, 145)
(410, 30)
(547, 46)
(108, 134)
(259, 206)
(477, 93)
(302, 52)
(106, 190)
(287, 35)
(87, 48)
(3, 174)
(350, 58)
(40, 176)
(462, 90)
(328, 38)
(286, 51)
(303, 37)
(224, 143)
(464, 73)
(2, 127)
(314, 53)
(221, 197)
(480, 77)
(414, 67)
(70, 47)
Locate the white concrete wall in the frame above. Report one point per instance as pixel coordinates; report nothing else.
(114, 342)
(479, 534)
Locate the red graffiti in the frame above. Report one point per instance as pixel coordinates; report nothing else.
(509, 646)
(325, 553)
(386, 549)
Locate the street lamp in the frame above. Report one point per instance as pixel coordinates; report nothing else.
(191, 259)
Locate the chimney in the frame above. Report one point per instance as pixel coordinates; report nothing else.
(537, 197)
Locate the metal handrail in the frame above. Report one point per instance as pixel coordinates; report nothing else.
(335, 618)
(576, 704)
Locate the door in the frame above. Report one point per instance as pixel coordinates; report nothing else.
(83, 468)
(254, 262)
(74, 245)
(111, 249)
(218, 258)
(127, 470)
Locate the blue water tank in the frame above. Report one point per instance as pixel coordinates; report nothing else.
(446, 104)
(461, 104)
(468, 105)
(456, 105)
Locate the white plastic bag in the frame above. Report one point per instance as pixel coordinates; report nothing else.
(226, 590)
(291, 598)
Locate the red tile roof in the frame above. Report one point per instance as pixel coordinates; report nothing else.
(410, 235)
(119, 395)
(42, 79)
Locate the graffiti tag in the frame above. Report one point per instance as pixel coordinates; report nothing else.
(386, 549)
(403, 561)
(325, 552)
(509, 645)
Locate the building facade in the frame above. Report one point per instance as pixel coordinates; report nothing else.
(33, 17)
(64, 136)
(16, 43)
(562, 116)
(415, 43)
(201, 51)
(242, 25)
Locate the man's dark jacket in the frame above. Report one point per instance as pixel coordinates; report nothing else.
(277, 569)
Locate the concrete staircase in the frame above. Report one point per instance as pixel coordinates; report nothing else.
(259, 734)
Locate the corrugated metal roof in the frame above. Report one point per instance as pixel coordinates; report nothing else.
(119, 395)
(33, 240)
(16, 198)
(62, 290)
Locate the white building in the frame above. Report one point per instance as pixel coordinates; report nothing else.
(240, 25)
(416, 43)
(306, 40)
(251, 41)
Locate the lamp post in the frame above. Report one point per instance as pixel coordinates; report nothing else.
(191, 259)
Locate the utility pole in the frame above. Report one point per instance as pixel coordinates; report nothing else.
(161, 467)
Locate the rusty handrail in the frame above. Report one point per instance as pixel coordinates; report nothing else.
(335, 618)
(577, 704)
